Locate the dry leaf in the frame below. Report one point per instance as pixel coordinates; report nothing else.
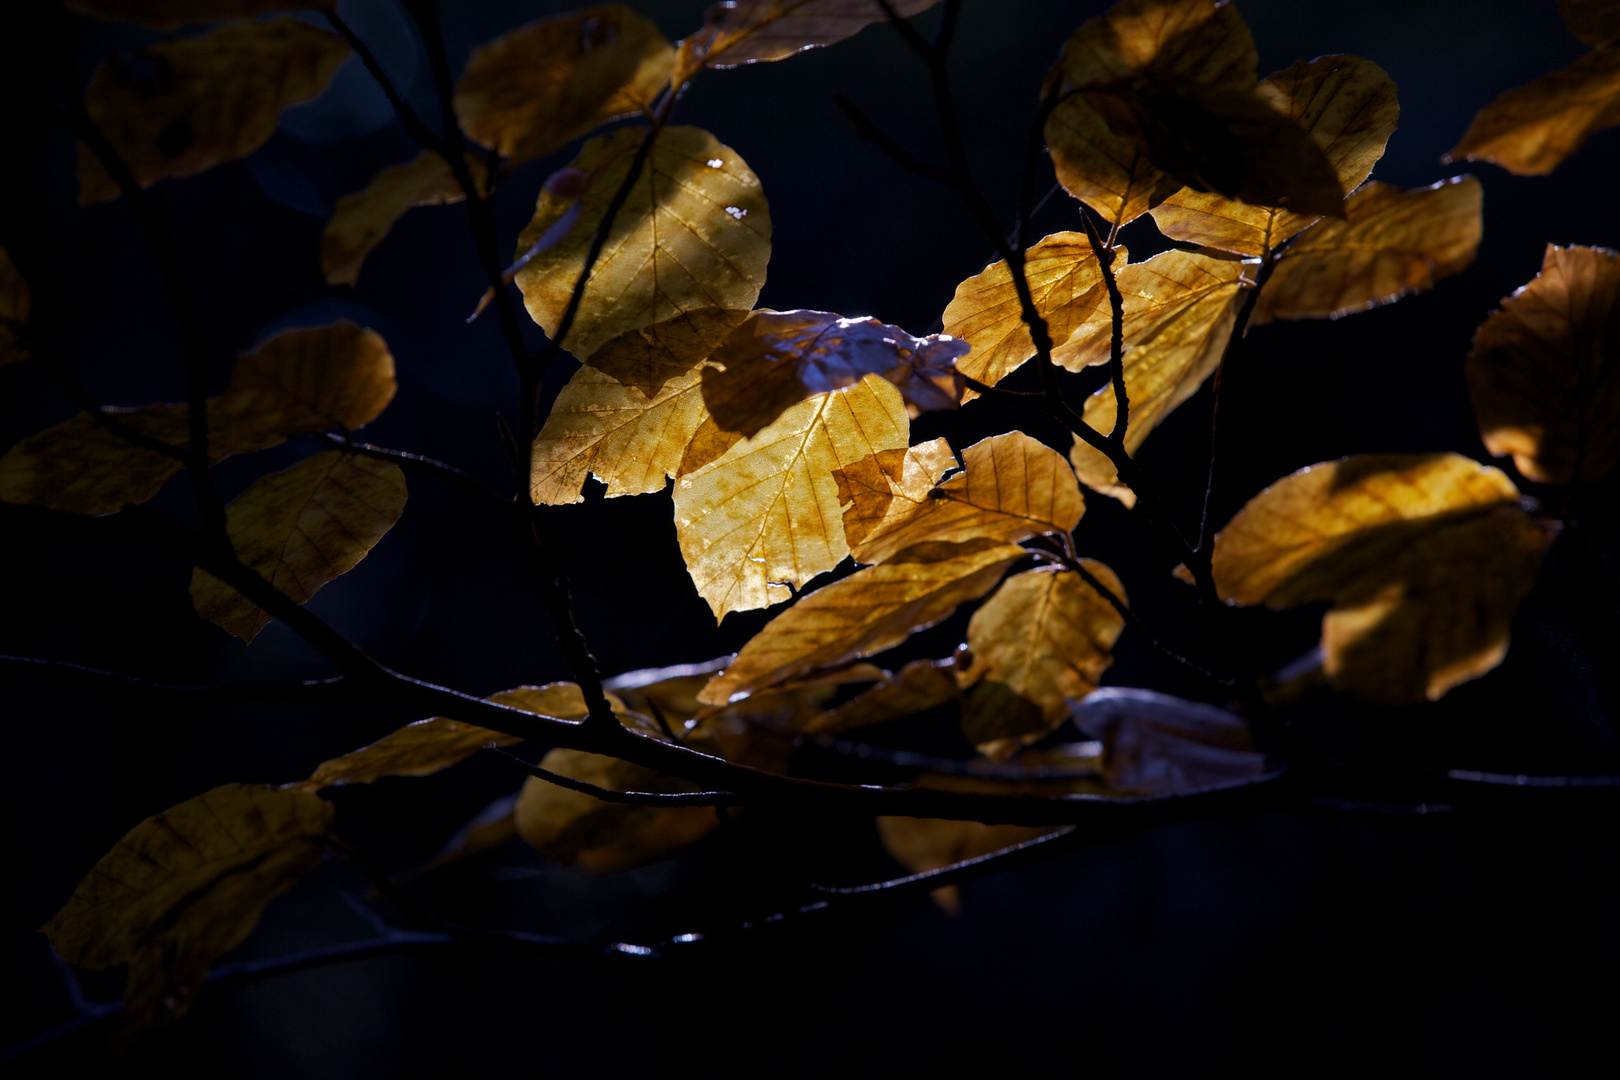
(924, 844)
(920, 685)
(1531, 129)
(1545, 370)
(16, 305)
(361, 220)
(179, 108)
(82, 468)
(339, 376)
(1156, 744)
(168, 14)
(746, 31)
(650, 356)
(418, 749)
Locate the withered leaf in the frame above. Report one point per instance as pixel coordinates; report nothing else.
(300, 529)
(745, 31)
(530, 91)
(766, 511)
(15, 307)
(650, 356)
(693, 233)
(1155, 744)
(185, 886)
(361, 220)
(924, 844)
(869, 611)
(181, 107)
(1545, 370)
(920, 685)
(1593, 21)
(168, 14)
(1424, 557)
(339, 376)
(1531, 129)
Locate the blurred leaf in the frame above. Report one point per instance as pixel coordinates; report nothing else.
(649, 356)
(545, 84)
(1593, 21)
(1531, 129)
(331, 377)
(418, 749)
(493, 826)
(745, 31)
(361, 220)
(693, 233)
(924, 844)
(300, 529)
(168, 14)
(82, 468)
(16, 305)
(179, 108)
(1545, 370)
(185, 886)
(1155, 744)
(920, 685)
(1424, 557)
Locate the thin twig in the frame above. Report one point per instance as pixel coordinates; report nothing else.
(1267, 264)
(407, 115)
(1116, 334)
(631, 798)
(64, 673)
(466, 480)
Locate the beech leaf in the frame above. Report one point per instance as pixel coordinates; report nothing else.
(339, 376)
(16, 305)
(747, 31)
(1531, 129)
(920, 685)
(649, 356)
(82, 468)
(924, 844)
(1156, 744)
(361, 220)
(168, 14)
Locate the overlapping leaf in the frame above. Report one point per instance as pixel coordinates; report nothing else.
(361, 220)
(649, 356)
(1424, 557)
(1531, 129)
(83, 468)
(181, 107)
(1545, 370)
(694, 232)
(920, 685)
(339, 376)
(746, 31)
(168, 14)
(16, 304)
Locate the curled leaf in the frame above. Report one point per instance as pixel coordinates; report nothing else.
(1531, 129)
(1156, 744)
(747, 31)
(15, 307)
(339, 376)
(361, 220)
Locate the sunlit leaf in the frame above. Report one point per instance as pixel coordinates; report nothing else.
(1593, 21)
(1348, 106)
(1424, 557)
(1392, 243)
(339, 376)
(1545, 370)
(1012, 487)
(745, 31)
(300, 529)
(1531, 129)
(15, 307)
(361, 220)
(650, 356)
(167, 14)
(180, 107)
(693, 233)
(869, 611)
(1155, 744)
(923, 844)
(185, 886)
(530, 91)
(767, 511)
(920, 685)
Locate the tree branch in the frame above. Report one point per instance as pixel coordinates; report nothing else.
(612, 795)
(407, 116)
(465, 480)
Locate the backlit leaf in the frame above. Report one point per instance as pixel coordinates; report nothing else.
(1593, 21)
(693, 233)
(869, 611)
(745, 31)
(300, 529)
(1424, 557)
(1531, 129)
(167, 14)
(923, 844)
(650, 356)
(185, 886)
(1545, 370)
(339, 376)
(920, 685)
(530, 91)
(1155, 744)
(180, 107)
(767, 510)
(15, 307)
(361, 220)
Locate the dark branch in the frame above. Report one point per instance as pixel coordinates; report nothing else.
(407, 116)
(465, 480)
(65, 673)
(632, 798)
(867, 131)
(58, 366)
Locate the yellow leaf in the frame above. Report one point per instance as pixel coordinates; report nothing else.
(923, 844)
(1544, 375)
(1424, 557)
(185, 886)
(1348, 106)
(530, 91)
(746, 31)
(920, 685)
(1392, 243)
(767, 511)
(300, 529)
(869, 611)
(361, 220)
(1531, 129)
(339, 376)
(179, 108)
(15, 307)
(1012, 487)
(693, 233)
(1044, 637)
(650, 356)
(168, 14)
(1593, 21)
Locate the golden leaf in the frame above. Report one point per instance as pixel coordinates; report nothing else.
(746, 31)
(545, 84)
(1424, 557)
(16, 305)
(1391, 244)
(168, 14)
(182, 107)
(1348, 106)
(361, 220)
(693, 233)
(1531, 129)
(339, 376)
(920, 685)
(869, 611)
(924, 844)
(1545, 370)
(1593, 21)
(650, 356)
(767, 511)
(185, 886)
(300, 529)
(1012, 487)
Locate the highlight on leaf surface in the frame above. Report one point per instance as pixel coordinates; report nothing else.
(693, 233)
(329, 377)
(746, 31)
(16, 305)
(1155, 744)
(1424, 557)
(1545, 370)
(1392, 243)
(181, 107)
(186, 885)
(924, 844)
(920, 685)
(530, 91)
(1531, 129)
(766, 511)
(300, 529)
(362, 219)
(168, 14)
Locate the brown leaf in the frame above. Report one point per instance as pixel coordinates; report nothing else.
(82, 468)
(179, 108)
(1393, 243)
(920, 685)
(361, 220)
(693, 233)
(869, 611)
(1593, 21)
(168, 14)
(649, 356)
(1531, 129)
(339, 376)
(1156, 744)
(185, 886)
(923, 844)
(16, 304)
(1424, 557)
(300, 529)
(746, 31)
(545, 84)
(1545, 370)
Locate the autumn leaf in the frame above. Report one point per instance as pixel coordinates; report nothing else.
(766, 511)
(83, 468)
(361, 220)
(1012, 487)
(649, 356)
(330, 377)
(1155, 744)
(924, 844)
(694, 232)
(1348, 106)
(746, 31)
(300, 529)
(1045, 636)
(179, 108)
(545, 84)
(1545, 370)
(16, 305)
(920, 685)
(168, 14)
(869, 611)
(185, 886)
(1392, 243)
(1531, 129)
(1424, 557)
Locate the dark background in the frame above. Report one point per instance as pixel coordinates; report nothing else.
(1476, 945)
